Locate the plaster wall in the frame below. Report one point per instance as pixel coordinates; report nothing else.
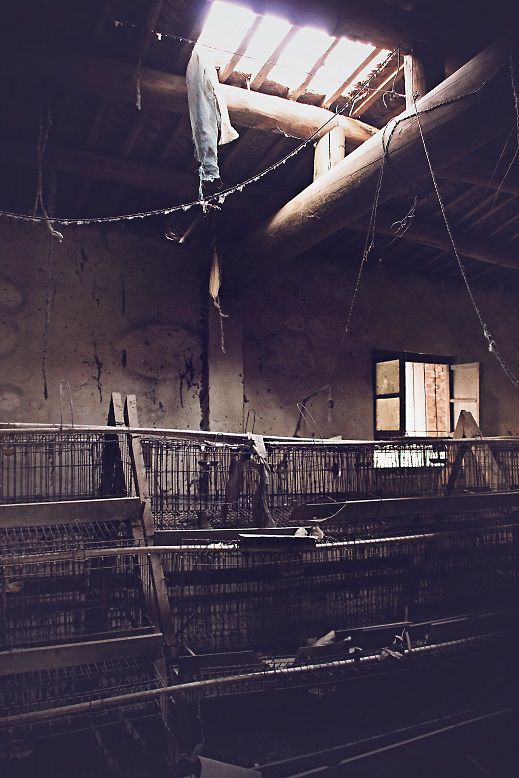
(124, 315)
(295, 322)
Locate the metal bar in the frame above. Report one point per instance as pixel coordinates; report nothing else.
(9, 428)
(95, 553)
(210, 684)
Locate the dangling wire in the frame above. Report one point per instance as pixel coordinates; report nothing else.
(492, 346)
(42, 145)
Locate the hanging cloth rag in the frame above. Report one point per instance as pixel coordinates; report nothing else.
(210, 123)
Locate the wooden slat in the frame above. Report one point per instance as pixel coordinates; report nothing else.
(226, 71)
(176, 536)
(372, 98)
(294, 94)
(331, 98)
(163, 610)
(262, 74)
(26, 660)
(48, 514)
(391, 507)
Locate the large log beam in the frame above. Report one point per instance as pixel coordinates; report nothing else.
(114, 80)
(474, 247)
(346, 193)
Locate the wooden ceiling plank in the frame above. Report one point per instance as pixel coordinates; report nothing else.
(226, 71)
(481, 172)
(468, 244)
(328, 100)
(101, 167)
(294, 94)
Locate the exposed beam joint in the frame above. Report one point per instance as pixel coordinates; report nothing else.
(458, 116)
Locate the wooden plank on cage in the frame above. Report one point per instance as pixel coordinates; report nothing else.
(466, 427)
(175, 537)
(27, 660)
(160, 611)
(50, 514)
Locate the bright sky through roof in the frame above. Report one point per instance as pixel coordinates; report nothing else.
(227, 24)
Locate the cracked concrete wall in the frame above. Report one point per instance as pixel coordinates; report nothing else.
(124, 316)
(295, 322)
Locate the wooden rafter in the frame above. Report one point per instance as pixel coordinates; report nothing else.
(331, 98)
(104, 168)
(468, 244)
(263, 73)
(372, 98)
(294, 94)
(226, 71)
(480, 172)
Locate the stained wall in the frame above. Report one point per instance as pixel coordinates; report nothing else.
(123, 315)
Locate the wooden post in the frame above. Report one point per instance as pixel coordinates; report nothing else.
(160, 608)
(423, 70)
(160, 592)
(329, 150)
(466, 427)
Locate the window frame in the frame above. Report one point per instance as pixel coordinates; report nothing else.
(384, 355)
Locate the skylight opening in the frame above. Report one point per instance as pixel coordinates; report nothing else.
(344, 59)
(225, 29)
(299, 56)
(262, 45)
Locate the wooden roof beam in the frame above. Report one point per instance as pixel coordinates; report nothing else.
(469, 245)
(263, 73)
(116, 81)
(90, 165)
(480, 172)
(294, 94)
(226, 71)
(346, 193)
(333, 96)
(376, 93)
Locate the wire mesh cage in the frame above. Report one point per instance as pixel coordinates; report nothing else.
(223, 598)
(195, 483)
(63, 599)
(37, 467)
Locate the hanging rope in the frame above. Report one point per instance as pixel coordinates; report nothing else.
(492, 346)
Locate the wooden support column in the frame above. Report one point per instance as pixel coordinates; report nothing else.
(424, 69)
(160, 592)
(329, 150)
